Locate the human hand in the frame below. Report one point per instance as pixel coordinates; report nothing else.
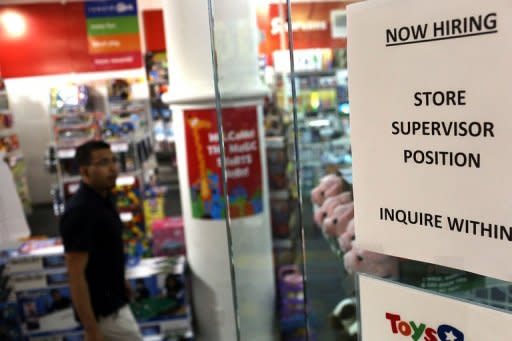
(93, 335)
(128, 291)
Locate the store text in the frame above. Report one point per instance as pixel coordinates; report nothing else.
(420, 331)
(443, 30)
(454, 224)
(451, 129)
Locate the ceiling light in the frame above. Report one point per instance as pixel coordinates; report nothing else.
(14, 24)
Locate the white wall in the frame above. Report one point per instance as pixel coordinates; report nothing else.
(29, 100)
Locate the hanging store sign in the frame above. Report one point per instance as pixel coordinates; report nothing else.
(65, 37)
(112, 32)
(243, 162)
(390, 311)
(311, 21)
(430, 114)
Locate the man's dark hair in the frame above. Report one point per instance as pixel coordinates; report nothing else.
(84, 152)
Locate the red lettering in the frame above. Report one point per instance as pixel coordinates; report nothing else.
(393, 318)
(404, 328)
(430, 335)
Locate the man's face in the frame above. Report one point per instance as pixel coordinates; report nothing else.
(101, 173)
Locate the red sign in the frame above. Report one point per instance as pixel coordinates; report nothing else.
(53, 38)
(311, 25)
(243, 163)
(154, 30)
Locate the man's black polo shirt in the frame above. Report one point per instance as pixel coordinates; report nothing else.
(91, 224)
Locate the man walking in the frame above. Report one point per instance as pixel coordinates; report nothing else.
(91, 231)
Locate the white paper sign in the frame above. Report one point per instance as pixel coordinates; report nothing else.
(431, 114)
(397, 313)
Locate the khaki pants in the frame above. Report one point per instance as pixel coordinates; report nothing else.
(120, 326)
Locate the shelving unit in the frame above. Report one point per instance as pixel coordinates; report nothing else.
(161, 303)
(73, 122)
(165, 151)
(324, 135)
(82, 113)
(323, 143)
(11, 150)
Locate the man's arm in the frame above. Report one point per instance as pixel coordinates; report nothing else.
(76, 263)
(129, 291)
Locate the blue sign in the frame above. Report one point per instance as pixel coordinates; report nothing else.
(110, 8)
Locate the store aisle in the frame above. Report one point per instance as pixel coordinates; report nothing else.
(326, 278)
(43, 221)
(325, 270)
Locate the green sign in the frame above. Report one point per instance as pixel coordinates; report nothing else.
(112, 25)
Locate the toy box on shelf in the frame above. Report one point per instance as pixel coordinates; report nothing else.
(154, 204)
(47, 310)
(168, 237)
(10, 150)
(35, 256)
(10, 324)
(161, 299)
(292, 306)
(128, 108)
(130, 205)
(22, 269)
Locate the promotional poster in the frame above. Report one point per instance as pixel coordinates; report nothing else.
(243, 163)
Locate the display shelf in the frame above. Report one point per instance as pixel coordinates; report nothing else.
(310, 73)
(123, 178)
(12, 153)
(137, 110)
(66, 153)
(275, 142)
(118, 145)
(129, 137)
(158, 82)
(16, 155)
(76, 141)
(73, 112)
(282, 243)
(169, 139)
(279, 195)
(324, 139)
(128, 130)
(71, 179)
(7, 132)
(36, 272)
(81, 126)
(128, 104)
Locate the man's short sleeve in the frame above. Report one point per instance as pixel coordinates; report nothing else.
(76, 231)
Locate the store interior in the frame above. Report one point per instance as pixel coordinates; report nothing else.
(275, 261)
